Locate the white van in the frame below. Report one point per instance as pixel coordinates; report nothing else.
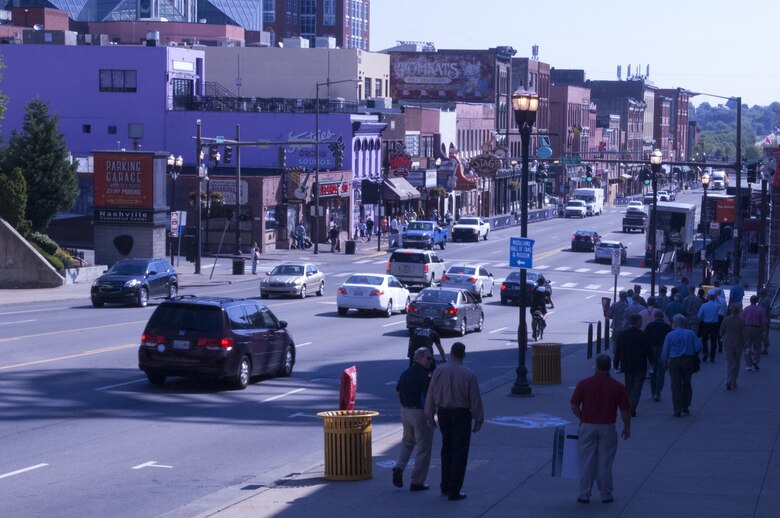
(593, 198)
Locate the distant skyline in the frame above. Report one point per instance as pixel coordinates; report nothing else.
(719, 47)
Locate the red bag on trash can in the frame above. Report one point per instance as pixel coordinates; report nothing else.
(348, 392)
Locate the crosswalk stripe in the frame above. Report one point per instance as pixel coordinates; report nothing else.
(626, 273)
(363, 261)
(542, 267)
(582, 270)
(562, 268)
(602, 271)
(569, 284)
(592, 286)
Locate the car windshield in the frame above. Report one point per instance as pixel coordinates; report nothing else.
(419, 225)
(128, 268)
(468, 221)
(287, 269)
(407, 258)
(186, 318)
(438, 297)
(373, 280)
(467, 270)
(609, 245)
(515, 277)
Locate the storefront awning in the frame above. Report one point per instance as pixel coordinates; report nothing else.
(399, 189)
(626, 176)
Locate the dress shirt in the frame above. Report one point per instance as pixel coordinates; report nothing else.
(599, 398)
(736, 294)
(413, 386)
(680, 342)
(708, 312)
(754, 316)
(454, 386)
(675, 308)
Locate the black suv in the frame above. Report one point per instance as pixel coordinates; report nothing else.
(134, 281)
(215, 337)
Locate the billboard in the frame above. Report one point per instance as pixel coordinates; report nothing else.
(430, 76)
(124, 180)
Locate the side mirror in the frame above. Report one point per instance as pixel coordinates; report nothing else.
(283, 324)
(490, 274)
(152, 272)
(267, 273)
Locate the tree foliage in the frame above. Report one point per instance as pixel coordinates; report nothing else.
(14, 190)
(718, 125)
(39, 151)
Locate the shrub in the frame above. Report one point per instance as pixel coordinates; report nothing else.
(46, 243)
(55, 262)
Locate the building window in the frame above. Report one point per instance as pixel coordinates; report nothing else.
(86, 128)
(118, 81)
(427, 146)
(112, 130)
(329, 12)
(412, 142)
(378, 86)
(269, 11)
(308, 18)
(368, 87)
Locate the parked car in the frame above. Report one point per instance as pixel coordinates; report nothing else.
(293, 278)
(585, 240)
(510, 288)
(425, 234)
(135, 281)
(635, 205)
(470, 228)
(605, 248)
(372, 292)
(647, 199)
(575, 209)
(416, 266)
(473, 277)
(664, 196)
(452, 309)
(215, 337)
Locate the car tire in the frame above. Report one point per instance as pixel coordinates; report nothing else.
(486, 235)
(302, 294)
(492, 287)
(389, 310)
(321, 291)
(264, 295)
(463, 328)
(286, 368)
(142, 299)
(155, 378)
(504, 301)
(430, 245)
(98, 303)
(481, 294)
(243, 374)
(343, 311)
(481, 323)
(442, 245)
(408, 301)
(173, 290)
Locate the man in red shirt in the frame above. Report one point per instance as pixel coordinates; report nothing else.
(595, 402)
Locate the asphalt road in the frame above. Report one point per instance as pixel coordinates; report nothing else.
(84, 434)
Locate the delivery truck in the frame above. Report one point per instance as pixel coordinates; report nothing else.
(675, 230)
(593, 198)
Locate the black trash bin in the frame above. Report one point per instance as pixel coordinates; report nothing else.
(238, 266)
(349, 247)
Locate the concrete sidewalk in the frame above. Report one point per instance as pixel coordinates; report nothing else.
(718, 462)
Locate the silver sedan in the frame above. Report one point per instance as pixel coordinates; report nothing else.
(475, 278)
(293, 279)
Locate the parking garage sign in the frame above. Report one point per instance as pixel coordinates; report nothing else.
(521, 252)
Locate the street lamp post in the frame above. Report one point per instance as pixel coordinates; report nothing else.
(705, 183)
(524, 105)
(317, 158)
(174, 168)
(198, 167)
(655, 167)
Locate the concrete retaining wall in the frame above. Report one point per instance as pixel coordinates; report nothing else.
(22, 266)
(84, 275)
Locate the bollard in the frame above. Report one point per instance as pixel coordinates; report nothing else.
(590, 340)
(606, 334)
(598, 337)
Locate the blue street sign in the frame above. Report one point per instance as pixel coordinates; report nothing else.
(220, 139)
(521, 252)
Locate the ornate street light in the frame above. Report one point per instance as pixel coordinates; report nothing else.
(705, 183)
(655, 166)
(524, 106)
(174, 169)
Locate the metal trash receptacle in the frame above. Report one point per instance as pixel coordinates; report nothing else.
(546, 364)
(348, 444)
(349, 247)
(238, 266)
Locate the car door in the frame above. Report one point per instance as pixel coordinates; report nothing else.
(156, 276)
(261, 338)
(309, 277)
(474, 308)
(277, 339)
(398, 292)
(486, 279)
(243, 334)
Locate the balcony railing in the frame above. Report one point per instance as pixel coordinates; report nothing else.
(222, 103)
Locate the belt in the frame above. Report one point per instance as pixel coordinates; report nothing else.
(453, 408)
(750, 325)
(413, 407)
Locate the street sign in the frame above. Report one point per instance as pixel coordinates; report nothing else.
(617, 255)
(174, 223)
(615, 270)
(521, 252)
(220, 139)
(569, 160)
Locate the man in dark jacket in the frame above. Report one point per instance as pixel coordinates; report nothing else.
(632, 353)
(656, 332)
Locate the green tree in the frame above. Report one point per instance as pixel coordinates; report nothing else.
(14, 190)
(39, 151)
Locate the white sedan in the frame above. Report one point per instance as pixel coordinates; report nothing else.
(475, 278)
(635, 205)
(372, 292)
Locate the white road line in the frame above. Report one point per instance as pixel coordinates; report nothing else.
(381, 261)
(582, 270)
(301, 345)
(151, 464)
(501, 265)
(121, 384)
(542, 267)
(496, 330)
(326, 302)
(345, 274)
(562, 268)
(590, 296)
(30, 311)
(18, 322)
(363, 261)
(496, 252)
(569, 284)
(626, 273)
(283, 395)
(602, 271)
(394, 323)
(593, 286)
(18, 471)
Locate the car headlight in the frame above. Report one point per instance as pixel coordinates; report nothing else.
(132, 282)
(294, 282)
(95, 283)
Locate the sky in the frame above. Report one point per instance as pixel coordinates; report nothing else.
(720, 47)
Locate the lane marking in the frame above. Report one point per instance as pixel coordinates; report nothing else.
(362, 261)
(603, 271)
(497, 330)
(48, 310)
(151, 464)
(590, 296)
(301, 345)
(593, 286)
(394, 323)
(569, 284)
(283, 395)
(542, 267)
(120, 384)
(3, 340)
(582, 270)
(18, 322)
(68, 357)
(23, 470)
(562, 268)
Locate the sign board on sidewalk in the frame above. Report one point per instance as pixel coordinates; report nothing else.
(615, 269)
(521, 252)
(174, 223)
(617, 256)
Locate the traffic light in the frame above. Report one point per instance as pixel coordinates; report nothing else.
(213, 153)
(752, 173)
(542, 169)
(645, 176)
(228, 154)
(588, 174)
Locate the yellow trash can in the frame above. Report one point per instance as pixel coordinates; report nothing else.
(348, 444)
(546, 364)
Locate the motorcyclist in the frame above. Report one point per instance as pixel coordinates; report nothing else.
(540, 297)
(425, 336)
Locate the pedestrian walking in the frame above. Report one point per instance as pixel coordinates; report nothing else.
(595, 402)
(300, 235)
(255, 250)
(733, 331)
(425, 336)
(638, 293)
(755, 322)
(709, 324)
(692, 304)
(334, 236)
(454, 397)
(617, 313)
(656, 332)
(675, 306)
(369, 228)
(682, 286)
(680, 353)
(661, 300)
(632, 354)
(412, 389)
(766, 304)
(737, 292)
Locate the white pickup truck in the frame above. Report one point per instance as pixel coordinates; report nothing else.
(470, 228)
(575, 209)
